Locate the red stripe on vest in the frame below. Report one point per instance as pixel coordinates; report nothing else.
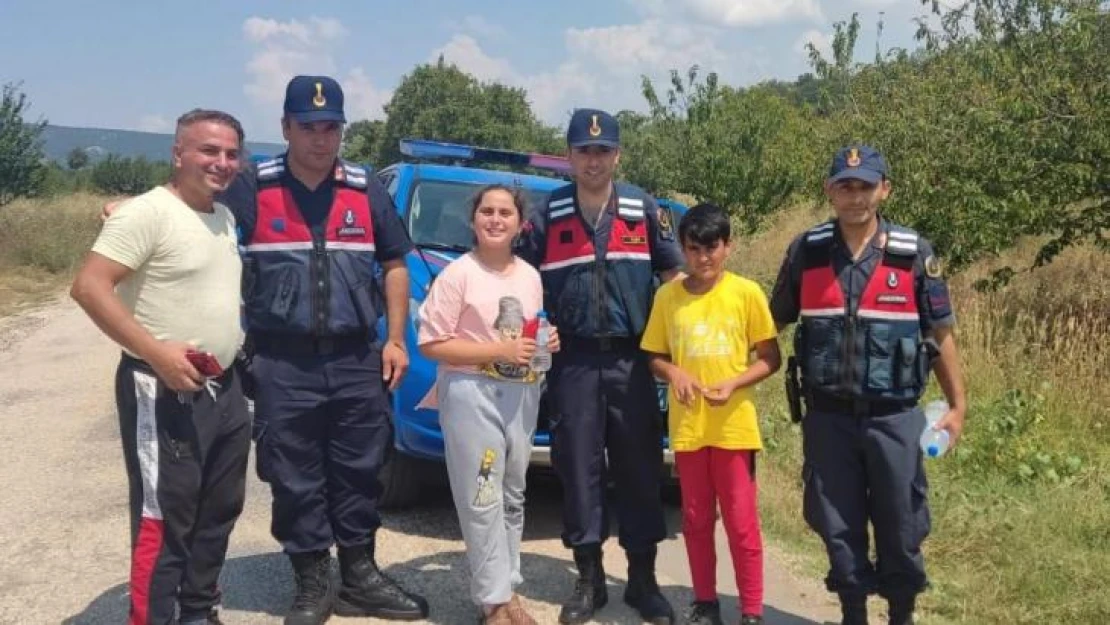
(890, 290)
(561, 246)
(280, 221)
(625, 236)
(821, 289)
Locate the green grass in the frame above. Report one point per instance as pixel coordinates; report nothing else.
(41, 244)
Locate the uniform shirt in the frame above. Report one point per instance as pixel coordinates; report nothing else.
(665, 252)
(391, 240)
(185, 285)
(710, 337)
(470, 301)
(933, 304)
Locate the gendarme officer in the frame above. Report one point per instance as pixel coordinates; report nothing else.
(875, 318)
(599, 246)
(314, 227)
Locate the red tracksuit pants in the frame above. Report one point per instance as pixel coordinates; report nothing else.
(708, 476)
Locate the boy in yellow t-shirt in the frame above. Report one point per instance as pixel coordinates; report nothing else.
(700, 335)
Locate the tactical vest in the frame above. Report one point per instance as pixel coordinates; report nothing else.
(591, 292)
(871, 349)
(301, 284)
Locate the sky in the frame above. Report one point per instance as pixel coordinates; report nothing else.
(138, 65)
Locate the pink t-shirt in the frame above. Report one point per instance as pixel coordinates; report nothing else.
(470, 301)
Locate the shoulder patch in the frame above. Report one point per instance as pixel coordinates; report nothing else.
(933, 267)
(666, 223)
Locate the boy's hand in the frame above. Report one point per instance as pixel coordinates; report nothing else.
(685, 387)
(518, 351)
(719, 394)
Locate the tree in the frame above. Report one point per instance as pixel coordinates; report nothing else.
(360, 140)
(128, 176)
(21, 156)
(996, 130)
(440, 101)
(77, 158)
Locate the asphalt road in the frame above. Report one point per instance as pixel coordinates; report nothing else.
(63, 523)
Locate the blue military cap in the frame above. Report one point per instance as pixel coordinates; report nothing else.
(593, 127)
(858, 162)
(314, 99)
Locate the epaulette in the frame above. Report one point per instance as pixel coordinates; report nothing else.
(352, 175)
(820, 235)
(560, 208)
(901, 241)
(271, 170)
(630, 208)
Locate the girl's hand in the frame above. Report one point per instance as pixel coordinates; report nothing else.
(518, 351)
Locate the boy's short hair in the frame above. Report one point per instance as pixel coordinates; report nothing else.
(705, 224)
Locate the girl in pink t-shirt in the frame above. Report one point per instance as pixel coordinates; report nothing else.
(473, 324)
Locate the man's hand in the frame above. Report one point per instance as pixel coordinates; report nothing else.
(109, 208)
(395, 363)
(685, 387)
(518, 351)
(553, 344)
(953, 421)
(173, 367)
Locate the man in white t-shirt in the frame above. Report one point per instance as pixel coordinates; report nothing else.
(162, 281)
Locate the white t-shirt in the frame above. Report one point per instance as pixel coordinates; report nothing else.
(187, 270)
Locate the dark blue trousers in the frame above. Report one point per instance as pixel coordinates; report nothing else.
(868, 469)
(606, 403)
(323, 427)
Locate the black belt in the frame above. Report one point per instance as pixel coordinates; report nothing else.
(821, 402)
(307, 344)
(599, 343)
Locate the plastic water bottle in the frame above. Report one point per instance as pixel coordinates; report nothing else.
(541, 360)
(934, 442)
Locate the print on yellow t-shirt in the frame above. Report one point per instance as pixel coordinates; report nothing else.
(710, 336)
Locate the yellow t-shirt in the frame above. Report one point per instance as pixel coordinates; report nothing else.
(710, 336)
(185, 285)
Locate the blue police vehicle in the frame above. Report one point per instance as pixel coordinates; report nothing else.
(432, 188)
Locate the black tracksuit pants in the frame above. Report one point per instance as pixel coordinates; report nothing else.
(186, 457)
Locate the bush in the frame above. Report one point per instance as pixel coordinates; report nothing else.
(128, 176)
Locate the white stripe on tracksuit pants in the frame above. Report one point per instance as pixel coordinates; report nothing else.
(487, 429)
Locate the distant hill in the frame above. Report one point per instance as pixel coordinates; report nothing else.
(59, 141)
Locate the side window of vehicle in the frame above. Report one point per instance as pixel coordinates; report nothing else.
(390, 180)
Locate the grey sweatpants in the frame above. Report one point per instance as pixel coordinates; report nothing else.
(487, 429)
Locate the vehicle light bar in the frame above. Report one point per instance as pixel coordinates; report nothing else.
(437, 150)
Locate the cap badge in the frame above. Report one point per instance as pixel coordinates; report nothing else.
(319, 100)
(595, 128)
(853, 157)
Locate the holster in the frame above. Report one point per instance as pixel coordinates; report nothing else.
(794, 390)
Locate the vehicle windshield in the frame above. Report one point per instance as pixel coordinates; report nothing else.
(439, 213)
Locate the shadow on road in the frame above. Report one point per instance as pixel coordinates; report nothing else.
(543, 513)
(263, 584)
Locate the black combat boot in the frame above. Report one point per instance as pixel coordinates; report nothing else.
(703, 613)
(642, 592)
(366, 591)
(901, 610)
(313, 603)
(590, 594)
(854, 609)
